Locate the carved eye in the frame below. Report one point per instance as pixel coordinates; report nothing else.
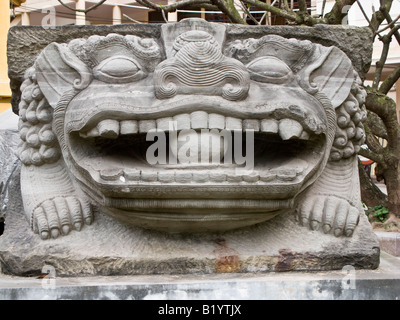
(270, 70)
(118, 69)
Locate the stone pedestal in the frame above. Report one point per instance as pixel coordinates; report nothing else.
(110, 248)
(346, 284)
(389, 242)
(90, 94)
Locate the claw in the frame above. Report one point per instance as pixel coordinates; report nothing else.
(60, 215)
(314, 225)
(44, 235)
(329, 213)
(78, 226)
(305, 212)
(304, 222)
(326, 228)
(65, 230)
(55, 233)
(337, 232)
(352, 221)
(317, 212)
(349, 232)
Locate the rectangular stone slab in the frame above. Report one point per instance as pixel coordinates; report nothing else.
(346, 284)
(110, 248)
(25, 43)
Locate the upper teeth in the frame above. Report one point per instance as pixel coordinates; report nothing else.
(111, 129)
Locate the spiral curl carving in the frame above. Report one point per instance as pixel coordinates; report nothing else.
(350, 130)
(38, 144)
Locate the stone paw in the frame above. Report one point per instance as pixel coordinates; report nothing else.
(329, 213)
(60, 215)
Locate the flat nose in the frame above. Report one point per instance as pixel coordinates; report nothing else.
(199, 67)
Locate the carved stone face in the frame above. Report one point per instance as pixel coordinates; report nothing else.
(109, 92)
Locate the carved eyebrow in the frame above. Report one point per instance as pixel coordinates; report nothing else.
(293, 52)
(96, 49)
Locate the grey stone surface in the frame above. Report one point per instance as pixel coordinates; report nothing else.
(389, 242)
(346, 284)
(25, 43)
(9, 163)
(356, 42)
(109, 248)
(106, 206)
(87, 104)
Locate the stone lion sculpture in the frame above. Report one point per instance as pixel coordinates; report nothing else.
(88, 105)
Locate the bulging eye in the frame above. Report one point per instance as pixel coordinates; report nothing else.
(269, 70)
(119, 69)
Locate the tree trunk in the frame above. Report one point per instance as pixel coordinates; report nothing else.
(371, 195)
(392, 180)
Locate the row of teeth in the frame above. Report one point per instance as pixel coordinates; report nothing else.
(111, 129)
(171, 176)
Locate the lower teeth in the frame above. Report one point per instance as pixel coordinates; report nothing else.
(200, 176)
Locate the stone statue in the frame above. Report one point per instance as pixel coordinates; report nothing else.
(93, 108)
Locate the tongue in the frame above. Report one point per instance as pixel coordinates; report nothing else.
(193, 147)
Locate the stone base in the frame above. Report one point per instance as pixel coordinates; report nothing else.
(110, 248)
(346, 284)
(389, 242)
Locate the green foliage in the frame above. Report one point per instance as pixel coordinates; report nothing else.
(377, 214)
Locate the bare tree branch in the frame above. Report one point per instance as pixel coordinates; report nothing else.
(247, 12)
(380, 104)
(323, 8)
(339, 12)
(394, 29)
(131, 19)
(373, 143)
(302, 5)
(373, 14)
(163, 15)
(203, 5)
(174, 6)
(286, 5)
(385, 108)
(378, 17)
(389, 82)
(381, 63)
(365, 16)
(228, 7)
(375, 125)
(277, 11)
(390, 25)
(371, 155)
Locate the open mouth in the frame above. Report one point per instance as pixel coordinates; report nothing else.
(113, 154)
